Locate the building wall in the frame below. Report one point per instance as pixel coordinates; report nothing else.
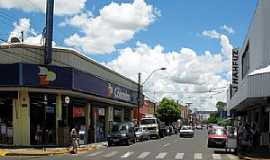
(259, 38)
(62, 57)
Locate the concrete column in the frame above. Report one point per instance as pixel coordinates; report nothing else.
(58, 114)
(87, 120)
(131, 114)
(123, 115)
(108, 119)
(21, 119)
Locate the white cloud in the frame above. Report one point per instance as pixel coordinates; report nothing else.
(116, 24)
(227, 29)
(30, 36)
(211, 34)
(62, 7)
(188, 77)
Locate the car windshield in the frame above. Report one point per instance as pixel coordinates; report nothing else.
(138, 129)
(118, 127)
(115, 128)
(148, 121)
(186, 128)
(218, 131)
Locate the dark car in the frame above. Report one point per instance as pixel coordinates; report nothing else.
(122, 133)
(217, 137)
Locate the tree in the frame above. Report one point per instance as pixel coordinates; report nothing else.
(169, 111)
(220, 106)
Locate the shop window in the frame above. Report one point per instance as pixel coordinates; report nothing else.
(127, 115)
(6, 129)
(117, 114)
(245, 61)
(266, 122)
(100, 124)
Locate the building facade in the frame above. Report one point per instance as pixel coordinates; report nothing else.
(249, 93)
(39, 104)
(184, 113)
(148, 108)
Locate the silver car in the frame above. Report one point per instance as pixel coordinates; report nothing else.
(142, 133)
(186, 131)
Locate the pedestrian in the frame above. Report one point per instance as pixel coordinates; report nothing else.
(74, 138)
(38, 135)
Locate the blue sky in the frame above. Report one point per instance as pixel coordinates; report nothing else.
(179, 25)
(130, 36)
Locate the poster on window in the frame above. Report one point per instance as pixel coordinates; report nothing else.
(101, 111)
(78, 112)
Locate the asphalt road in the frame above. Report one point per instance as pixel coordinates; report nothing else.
(168, 148)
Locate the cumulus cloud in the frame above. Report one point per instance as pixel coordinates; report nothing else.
(30, 35)
(190, 76)
(211, 34)
(62, 7)
(228, 29)
(116, 24)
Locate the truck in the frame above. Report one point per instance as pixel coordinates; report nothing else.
(154, 125)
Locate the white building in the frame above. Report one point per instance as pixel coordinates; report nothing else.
(249, 95)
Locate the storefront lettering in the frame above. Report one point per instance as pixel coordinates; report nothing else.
(123, 95)
(235, 70)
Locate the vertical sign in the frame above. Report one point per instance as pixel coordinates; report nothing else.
(235, 70)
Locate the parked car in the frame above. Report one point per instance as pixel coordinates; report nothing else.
(217, 137)
(186, 131)
(142, 133)
(199, 127)
(122, 133)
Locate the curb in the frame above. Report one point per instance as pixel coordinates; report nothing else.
(67, 151)
(251, 157)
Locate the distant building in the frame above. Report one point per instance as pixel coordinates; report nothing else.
(184, 113)
(148, 107)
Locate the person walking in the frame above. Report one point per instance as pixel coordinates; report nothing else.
(74, 138)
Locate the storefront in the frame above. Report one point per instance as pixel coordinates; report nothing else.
(49, 101)
(6, 114)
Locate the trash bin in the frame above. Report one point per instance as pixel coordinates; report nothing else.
(82, 137)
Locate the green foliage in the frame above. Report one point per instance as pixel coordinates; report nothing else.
(220, 106)
(214, 118)
(169, 111)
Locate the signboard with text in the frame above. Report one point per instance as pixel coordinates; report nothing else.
(235, 70)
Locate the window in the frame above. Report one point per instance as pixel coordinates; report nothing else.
(245, 61)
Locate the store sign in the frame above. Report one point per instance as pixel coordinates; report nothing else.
(122, 94)
(46, 76)
(78, 112)
(235, 70)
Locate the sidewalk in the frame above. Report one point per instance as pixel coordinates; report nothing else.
(49, 151)
(259, 154)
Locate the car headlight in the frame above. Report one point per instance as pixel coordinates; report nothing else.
(123, 134)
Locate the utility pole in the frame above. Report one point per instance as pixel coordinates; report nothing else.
(49, 32)
(22, 36)
(139, 97)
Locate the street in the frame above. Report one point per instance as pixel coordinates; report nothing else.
(168, 148)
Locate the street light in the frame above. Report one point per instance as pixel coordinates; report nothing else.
(159, 69)
(141, 86)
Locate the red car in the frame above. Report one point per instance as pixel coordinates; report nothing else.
(217, 137)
